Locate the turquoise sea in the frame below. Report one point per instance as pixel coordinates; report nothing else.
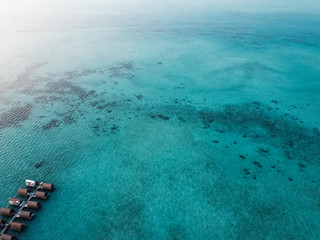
(163, 119)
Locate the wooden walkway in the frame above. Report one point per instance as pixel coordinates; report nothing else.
(24, 205)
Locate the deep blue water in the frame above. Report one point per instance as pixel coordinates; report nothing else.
(171, 120)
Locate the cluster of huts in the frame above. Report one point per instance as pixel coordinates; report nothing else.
(34, 190)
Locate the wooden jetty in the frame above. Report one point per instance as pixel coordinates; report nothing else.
(22, 204)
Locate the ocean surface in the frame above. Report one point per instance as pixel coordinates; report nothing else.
(163, 119)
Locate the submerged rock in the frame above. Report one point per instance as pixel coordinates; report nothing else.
(257, 164)
(114, 128)
(262, 150)
(39, 164)
(69, 120)
(163, 117)
(139, 97)
(181, 119)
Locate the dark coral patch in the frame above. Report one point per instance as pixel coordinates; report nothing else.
(102, 107)
(122, 70)
(15, 115)
(207, 117)
(127, 65)
(69, 120)
(107, 105)
(260, 125)
(64, 87)
(102, 104)
(163, 117)
(53, 123)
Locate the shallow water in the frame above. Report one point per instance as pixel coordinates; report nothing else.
(192, 120)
